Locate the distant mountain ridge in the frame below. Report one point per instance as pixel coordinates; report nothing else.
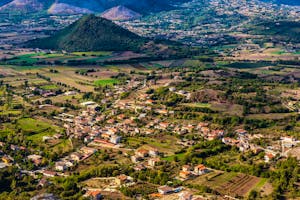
(120, 13)
(84, 6)
(91, 33)
(25, 6)
(284, 2)
(62, 8)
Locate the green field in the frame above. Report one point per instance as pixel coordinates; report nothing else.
(105, 82)
(49, 87)
(93, 53)
(25, 67)
(32, 126)
(198, 105)
(38, 138)
(171, 158)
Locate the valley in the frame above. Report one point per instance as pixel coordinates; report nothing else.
(172, 99)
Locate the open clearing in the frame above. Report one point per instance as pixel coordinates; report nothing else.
(230, 183)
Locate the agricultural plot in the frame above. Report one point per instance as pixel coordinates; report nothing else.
(10, 105)
(32, 126)
(93, 53)
(230, 183)
(68, 76)
(106, 82)
(239, 185)
(28, 60)
(166, 144)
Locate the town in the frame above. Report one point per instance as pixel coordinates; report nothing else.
(144, 121)
(160, 100)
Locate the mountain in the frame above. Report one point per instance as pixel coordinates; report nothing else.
(141, 6)
(25, 6)
(120, 13)
(3, 2)
(84, 6)
(91, 33)
(62, 8)
(289, 2)
(92, 5)
(287, 31)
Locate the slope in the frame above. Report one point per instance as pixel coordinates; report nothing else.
(62, 8)
(120, 13)
(91, 33)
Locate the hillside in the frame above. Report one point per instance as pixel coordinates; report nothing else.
(3, 2)
(92, 5)
(282, 31)
(62, 8)
(286, 2)
(91, 33)
(120, 13)
(26, 6)
(80, 6)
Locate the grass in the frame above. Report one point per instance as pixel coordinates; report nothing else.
(198, 105)
(213, 179)
(68, 76)
(38, 138)
(165, 144)
(25, 67)
(27, 60)
(93, 53)
(63, 147)
(49, 87)
(260, 184)
(6, 132)
(271, 116)
(279, 52)
(105, 82)
(32, 126)
(10, 112)
(171, 158)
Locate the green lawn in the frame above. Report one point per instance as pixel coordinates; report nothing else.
(38, 138)
(171, 158)
(49, 87)
(105, 82)
(32, 126)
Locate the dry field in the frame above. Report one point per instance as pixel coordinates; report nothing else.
(231, 183)
(239, 185)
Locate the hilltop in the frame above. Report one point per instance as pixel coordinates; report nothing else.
(62, 8)
(91, 33)
(120, 13)
(86, 6)
(25, 5)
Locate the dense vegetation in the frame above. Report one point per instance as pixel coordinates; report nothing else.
(91, 33)
(283, 30)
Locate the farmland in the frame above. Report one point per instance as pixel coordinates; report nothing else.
(233, 184)
(105, 82)
(185, 115)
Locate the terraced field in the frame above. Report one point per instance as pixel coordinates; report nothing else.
(239, 185)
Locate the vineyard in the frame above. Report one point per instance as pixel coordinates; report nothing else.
(239, 185)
